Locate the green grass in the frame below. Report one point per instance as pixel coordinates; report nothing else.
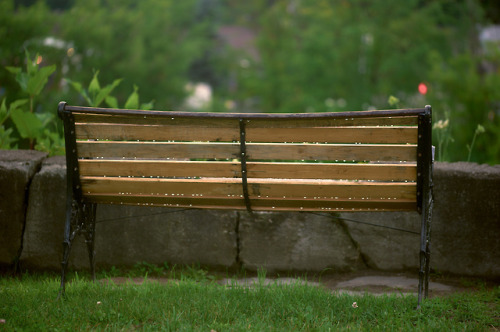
(191, 302)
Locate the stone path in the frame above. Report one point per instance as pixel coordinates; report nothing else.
(374, 283)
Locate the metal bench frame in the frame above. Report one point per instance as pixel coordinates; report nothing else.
(81, 207)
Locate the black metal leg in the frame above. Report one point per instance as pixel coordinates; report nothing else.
(428, 245)
(421, 275)
(90, 215)
(71, 228)
(425, 255)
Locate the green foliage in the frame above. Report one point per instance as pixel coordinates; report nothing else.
(443, 137)
(309, 56)
(479, 130)
(36, 127)
(95, 94)
(354, 52)
(151, 43)
(35, 78)
(466, 97)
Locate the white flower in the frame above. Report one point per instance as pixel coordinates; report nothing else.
(354, 305)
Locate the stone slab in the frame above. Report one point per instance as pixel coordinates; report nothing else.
(125, 235)
(17, 168)
(466, 219)
(383, 247)
(295, 242)
(465, 229)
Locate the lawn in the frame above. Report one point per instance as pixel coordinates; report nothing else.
(194, 301)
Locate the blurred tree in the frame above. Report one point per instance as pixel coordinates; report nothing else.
(150, 43)
(22, 27)
(319, 55)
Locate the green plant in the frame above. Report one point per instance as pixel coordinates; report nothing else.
(95, 95)
(479, 130)
(441, 128)
(394, 102)
(36, 126)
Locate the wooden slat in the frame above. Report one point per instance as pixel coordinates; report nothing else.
(394, 135)
(332, 122)
(255, 151)
(391, 135)
(257, 204)
(164, 168)
(158, 150)
(155, 133)
(159, 168)
(82, 118)
(375, 172)
(251, 123)
(327, 152)
(258, 188)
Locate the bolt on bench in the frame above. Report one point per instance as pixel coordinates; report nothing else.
(327, 162)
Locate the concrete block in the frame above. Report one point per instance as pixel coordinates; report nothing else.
(466, 220)
(295, 241)
(384, 248)
(125, 235)
(159, 235)
(17, 168)
(465, 229)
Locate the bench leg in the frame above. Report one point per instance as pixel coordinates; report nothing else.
(71, 228)
(427, 248)
(89, 224)
(425, 242)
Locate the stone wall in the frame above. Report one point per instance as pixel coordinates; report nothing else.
(465, 228)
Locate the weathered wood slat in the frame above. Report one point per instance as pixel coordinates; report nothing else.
(255, 151)
(156, 133)
(257, 204)
(160, 150)
(258, 188)
(250, 123)
(333, 122)
(393, 135)
(327, 152)
(164, 168)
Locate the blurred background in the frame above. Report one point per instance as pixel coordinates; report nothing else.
(254, 56)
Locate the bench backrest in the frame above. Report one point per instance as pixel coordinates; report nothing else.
(336, 162)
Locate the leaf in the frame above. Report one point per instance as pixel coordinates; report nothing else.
(46, 118)
(6, 139)
(28, 124)
(112, 102)
(79, 88)
(31, 65)
(133, 99)
(104, 92)
(21, 78)
(148, 106)
(38, 80)
(3, 112)
(13, 70)
(17, 103)
(94, 86)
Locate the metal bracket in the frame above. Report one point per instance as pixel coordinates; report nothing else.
(243, 161)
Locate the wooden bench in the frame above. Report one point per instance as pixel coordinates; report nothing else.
(327, 162)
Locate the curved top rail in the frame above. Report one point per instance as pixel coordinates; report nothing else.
(63, 107)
